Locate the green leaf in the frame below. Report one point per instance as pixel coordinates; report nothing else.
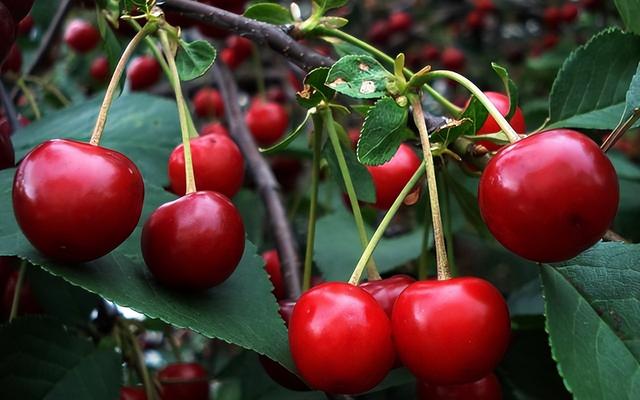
(469, 123)
(362, 181)
(337, 258)
(510, 88)
(252, 211)
(381, 133)
(629, 11)
(326, 5)
(633, 95)
(281, 145)
(194, 59)
(359, 76)
(468, 202)
(270, 13)
(590, 88)
(593, 319)
(144, 128)
(333, 22)
(110, 44)
(242, 310)
(315, 91)
(41, 359)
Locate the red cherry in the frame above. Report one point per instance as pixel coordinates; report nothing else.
(207, 102)
(267, 122)
(217, 164)
(400, 22)
(27, 304)
(453, 59)
(430, 53)
(241, 46)
(194, 242)
(7, 155)
(551, 17)
(75, 201)
(272, 265)
(340, 339)
(386, 291)
(81, 36)
(7, 31)
(475, 19)
(379, 32)
(13, 62)
(549, 41)
(181, 381)
(569, 12)
(490, 125)
(276, 94)
(214, 128)
(143, 72)
(390, 178)
(451, 332)
(487, 388)
(354, 137)
(100, 69)
(230, 59)
(18, 8)
(550, 196)
(132, 393)
(485, 6)
(25, 25)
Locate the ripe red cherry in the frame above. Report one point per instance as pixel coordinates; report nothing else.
(490, 125)
(452, 331)
(430, 53)
(551, 17)
(217, 164)
(386, 291)
(194, 242)
(569, 12)
(143, 72)
(550, 196)
(453, 59)
(214, 128)
(182, 381)
(27, 303)
(340, 339)
(487, 388)
(400, 22)
(272, 265)
(25, 25)
(475, 19)
(75, 201)
(18, 8)
(390, 178)
(100, 69)
(379, 32)
(7, 31)
(132, 393)
(13, 62)
(241, 46)
(267, 122)
(81, 36)
(207, 102)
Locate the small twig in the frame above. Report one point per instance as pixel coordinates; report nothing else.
(267, 185)
(9, 108)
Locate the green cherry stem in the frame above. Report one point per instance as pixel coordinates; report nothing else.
(170, 52)
(491, 108)
(382, 227)
(139, 359)
(316, 143)
(115, 80)
(441, 250)
(372, 271)
(16, 294)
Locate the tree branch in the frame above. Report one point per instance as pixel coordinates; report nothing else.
(261, 33)
(267, 185)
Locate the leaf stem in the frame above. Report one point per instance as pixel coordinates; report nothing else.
(384, 224)
(491, 108)
(169, 53)
(115, 80)
(620, 130)
(372, 271)
(316, 142)
(16, 294)
(441, 250)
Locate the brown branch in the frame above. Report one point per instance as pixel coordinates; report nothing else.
(267, 185)
(261, 33)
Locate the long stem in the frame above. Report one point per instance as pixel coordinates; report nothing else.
(113, 85)
(441, 250)
(336, 33)
(491, 108)
(182, 113)
(446, 216)
(313, 207)
(372, 271)
(16, 294)
(620, 130)
(149, 388)
(384, 224)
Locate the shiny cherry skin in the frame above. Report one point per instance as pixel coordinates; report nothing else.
(340, 339)
(267, 121)
(453, 59)
(75, 201)
(272, 265)
(181, 381)
(490, 125)
(81, 36)
(277, 372)
(452, 331)
(99, 69)
(143, 72)
(487, 388)
(390, 178)
(7, 31)
(214, 128)
(386, 291)
(218, 165)
(194, 242)
(18, 8)
(207, 103)
(132, 393)
(27, 304)
(550, 196)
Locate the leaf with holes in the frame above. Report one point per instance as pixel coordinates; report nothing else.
(382, 132)
(359, 76)
(194, 59)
